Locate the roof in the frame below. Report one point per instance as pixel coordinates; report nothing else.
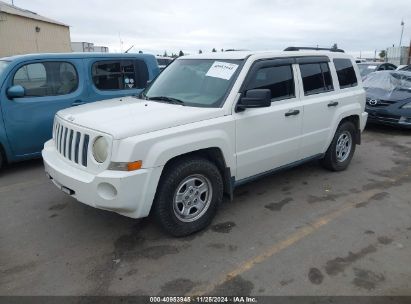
(42, 56)
(264, 54)
(14, 10)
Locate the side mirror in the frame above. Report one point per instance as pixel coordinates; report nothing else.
(257, 98)
(16, 91)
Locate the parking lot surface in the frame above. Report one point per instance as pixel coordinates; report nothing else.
(305, 231)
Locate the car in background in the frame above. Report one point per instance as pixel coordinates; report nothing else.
(388, 98)
(163, 62)
(34, 87)
(369, 67)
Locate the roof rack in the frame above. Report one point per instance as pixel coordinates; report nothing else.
(298, 48)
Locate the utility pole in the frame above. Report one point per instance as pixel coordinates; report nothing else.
(402, 31)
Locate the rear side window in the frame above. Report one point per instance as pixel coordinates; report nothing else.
(47, 79)
(316, 78)
(279, 80)
(119, 74)
(345, 72)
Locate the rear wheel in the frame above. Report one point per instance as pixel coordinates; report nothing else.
(341, 149)
(188, 196)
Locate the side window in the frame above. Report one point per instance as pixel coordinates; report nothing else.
(33, 78)
(279, 80)
(47, 79)
(316, 78)
(119, 75)
(345, 72)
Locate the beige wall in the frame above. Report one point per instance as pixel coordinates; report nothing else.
(18, 36)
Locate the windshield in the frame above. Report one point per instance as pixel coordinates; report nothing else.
(366, 68)
(3, 66)
(389, 81)
(194, 82)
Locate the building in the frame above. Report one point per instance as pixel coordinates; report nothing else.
(88, 47)
(399, 55)
(23, 31)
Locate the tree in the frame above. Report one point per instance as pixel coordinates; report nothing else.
(165, 54)
(200, 51)
(214, 50)
(140, 52)
(222, 50)
(334, 47)
(382, 54)
(180, 53)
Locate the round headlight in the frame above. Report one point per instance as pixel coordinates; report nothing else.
(100, 149)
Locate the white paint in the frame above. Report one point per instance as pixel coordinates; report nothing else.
(252, 142)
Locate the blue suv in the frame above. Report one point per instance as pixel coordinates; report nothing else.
(34, 87)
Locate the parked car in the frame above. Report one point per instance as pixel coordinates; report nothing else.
(389, 98)
(369, 67)
(34, 87)
(163, 62)
(207, 124)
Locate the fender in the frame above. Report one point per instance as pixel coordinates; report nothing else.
(155, 149)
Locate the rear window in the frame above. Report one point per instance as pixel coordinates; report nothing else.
(112, 75)
(316, 78)
(345, 72)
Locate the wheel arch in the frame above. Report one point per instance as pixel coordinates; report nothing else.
(355, 119)
(212, 154)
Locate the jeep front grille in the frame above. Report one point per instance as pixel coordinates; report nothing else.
(71, 143)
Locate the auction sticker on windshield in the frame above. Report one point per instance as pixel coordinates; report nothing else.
(223, 70)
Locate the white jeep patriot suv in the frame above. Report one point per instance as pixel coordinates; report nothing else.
(207, 124)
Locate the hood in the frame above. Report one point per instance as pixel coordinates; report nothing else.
(389, 95)
(129, 116)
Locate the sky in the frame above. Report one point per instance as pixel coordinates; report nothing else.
(155, 26)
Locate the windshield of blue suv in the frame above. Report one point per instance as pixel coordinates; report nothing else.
(3, 66)
(194, 82)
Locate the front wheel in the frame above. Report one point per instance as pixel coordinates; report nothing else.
(341, 149)
(188, 196)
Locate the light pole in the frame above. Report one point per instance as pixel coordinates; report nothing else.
(402, 31)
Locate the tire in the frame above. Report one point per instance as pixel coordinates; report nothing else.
(344, 137)
(175, 206)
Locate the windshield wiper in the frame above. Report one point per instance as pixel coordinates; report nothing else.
(167, 99)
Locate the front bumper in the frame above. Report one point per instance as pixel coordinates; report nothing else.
(128, 193)
(392, 118)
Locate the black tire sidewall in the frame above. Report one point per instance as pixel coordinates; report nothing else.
(163, 206)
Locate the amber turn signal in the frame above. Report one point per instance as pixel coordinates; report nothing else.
(134, 165)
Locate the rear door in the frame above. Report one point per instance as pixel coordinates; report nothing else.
(49, 87)
(320, 104)
(111, 78)
(268, 138)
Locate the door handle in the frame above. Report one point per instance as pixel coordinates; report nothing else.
(333, 104)
(77, 103)
(292, 112)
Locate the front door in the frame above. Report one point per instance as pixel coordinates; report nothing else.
(49, 87)
(268, 138)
